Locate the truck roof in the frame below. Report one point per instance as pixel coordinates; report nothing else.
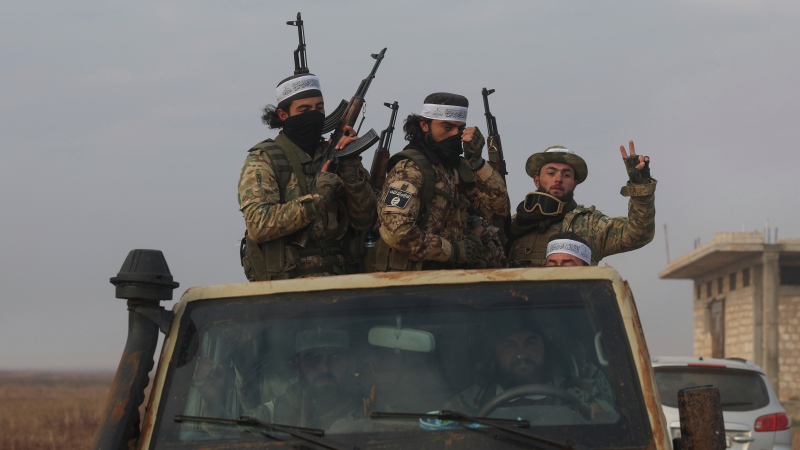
(395, 279)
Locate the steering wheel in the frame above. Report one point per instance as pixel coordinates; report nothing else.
(534, 389)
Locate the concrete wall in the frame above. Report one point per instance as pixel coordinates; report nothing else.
(702, 336)
(739, 312)
(789, 344)
(739, 324)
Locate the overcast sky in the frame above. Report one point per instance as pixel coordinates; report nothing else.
(125, 124)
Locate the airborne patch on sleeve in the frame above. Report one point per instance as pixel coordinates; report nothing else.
(397, 198)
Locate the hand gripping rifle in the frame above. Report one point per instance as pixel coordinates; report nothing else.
(355, 148)
(380, 161)
(301, 67)
(493, 144)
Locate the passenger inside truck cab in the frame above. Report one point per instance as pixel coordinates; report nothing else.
(322, 394)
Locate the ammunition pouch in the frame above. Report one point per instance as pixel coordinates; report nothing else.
(262, 262)
(274, 260)
(389, 260)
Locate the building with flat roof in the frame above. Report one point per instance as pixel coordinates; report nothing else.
(746, 301)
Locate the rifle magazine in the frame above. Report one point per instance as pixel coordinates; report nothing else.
(358, 146)
(332, 120)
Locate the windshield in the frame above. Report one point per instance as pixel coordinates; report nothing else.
(552, 353)
(739, 390)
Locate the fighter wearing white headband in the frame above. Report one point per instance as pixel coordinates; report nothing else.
(444, 112)
(293, 88)
(568, 249)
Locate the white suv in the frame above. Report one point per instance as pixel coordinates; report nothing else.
(754, 419)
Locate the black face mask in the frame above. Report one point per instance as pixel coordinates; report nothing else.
(305, 130)
(448, 149)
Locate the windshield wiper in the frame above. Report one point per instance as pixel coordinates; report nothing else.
(306, 434)
(463, 419)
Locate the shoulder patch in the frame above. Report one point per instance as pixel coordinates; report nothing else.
(397, 198)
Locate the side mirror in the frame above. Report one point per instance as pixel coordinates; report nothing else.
(702, 425)
(401, 339)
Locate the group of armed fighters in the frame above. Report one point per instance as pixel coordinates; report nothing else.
(312, 209)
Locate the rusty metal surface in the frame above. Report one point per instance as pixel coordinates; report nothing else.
(661, 437)
(151, 405)
(392, 279)
(121, 418)
(702, 424)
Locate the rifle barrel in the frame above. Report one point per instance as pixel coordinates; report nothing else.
(362, 88)
(300, 58)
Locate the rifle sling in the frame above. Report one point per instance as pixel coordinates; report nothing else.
(297, 166)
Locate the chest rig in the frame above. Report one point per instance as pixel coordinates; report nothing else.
(275, 259)
(386, 258)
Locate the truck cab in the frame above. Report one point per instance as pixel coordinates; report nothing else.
(505, 358)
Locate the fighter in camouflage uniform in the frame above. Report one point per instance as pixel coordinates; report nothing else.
(551, 209)
(432, 194)
(278, 200)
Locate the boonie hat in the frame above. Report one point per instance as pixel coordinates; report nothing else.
(557, 154)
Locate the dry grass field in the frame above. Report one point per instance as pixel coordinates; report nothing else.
(58, 410)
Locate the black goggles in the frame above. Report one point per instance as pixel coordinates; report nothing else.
(547, 204)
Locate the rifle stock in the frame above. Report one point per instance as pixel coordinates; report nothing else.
(380, 161)
(348, 119)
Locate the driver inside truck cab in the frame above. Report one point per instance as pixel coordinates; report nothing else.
(521, 355)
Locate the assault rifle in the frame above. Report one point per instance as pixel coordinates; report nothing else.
(355, 148)
(497, 161)
(380, 162)
(301, 67)
(493, 144)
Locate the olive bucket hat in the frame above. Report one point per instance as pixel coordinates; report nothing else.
(557, 154)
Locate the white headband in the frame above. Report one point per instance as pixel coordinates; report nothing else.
(444, 112)
(570, 247)
(295, 85)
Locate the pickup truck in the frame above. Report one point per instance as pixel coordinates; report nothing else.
(469, 359)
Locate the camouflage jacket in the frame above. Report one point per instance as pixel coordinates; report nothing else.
(605, 235)
(399, 208)
(273, 210)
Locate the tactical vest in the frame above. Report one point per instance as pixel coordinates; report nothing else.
(386, 258)
(275, 260)
(530, 250)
